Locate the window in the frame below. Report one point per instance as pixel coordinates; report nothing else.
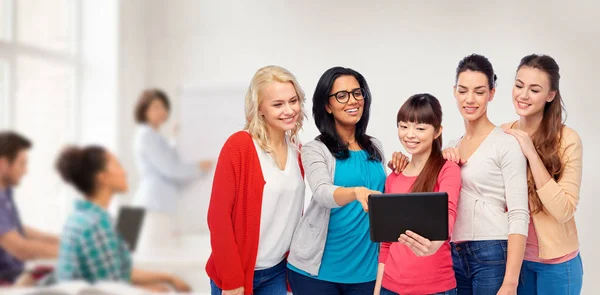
(47, 24)
(38, 83)
(5, 9)
(3, 93)
(42, 111)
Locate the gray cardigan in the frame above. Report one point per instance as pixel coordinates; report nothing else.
(308, 242)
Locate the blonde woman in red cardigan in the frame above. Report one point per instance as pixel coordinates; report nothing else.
(258, 190)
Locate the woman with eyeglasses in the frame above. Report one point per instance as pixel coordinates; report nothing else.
(331, 252)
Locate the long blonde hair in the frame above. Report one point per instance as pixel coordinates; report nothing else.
(255, 124)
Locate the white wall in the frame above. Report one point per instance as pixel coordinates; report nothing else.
(132, 78)
(401, 47)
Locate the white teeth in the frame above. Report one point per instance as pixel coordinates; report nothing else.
(352, 110)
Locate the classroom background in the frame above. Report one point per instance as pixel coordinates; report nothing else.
(71, 72)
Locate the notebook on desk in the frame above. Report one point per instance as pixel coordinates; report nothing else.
(129, 225)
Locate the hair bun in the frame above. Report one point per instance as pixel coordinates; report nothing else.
(69, 163)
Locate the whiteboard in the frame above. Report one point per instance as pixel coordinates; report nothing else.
(209, 114)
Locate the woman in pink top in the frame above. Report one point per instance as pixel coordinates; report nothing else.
(416, 265)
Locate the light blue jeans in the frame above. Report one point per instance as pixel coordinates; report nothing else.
(539, 278)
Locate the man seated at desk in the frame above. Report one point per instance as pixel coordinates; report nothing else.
(18, 243)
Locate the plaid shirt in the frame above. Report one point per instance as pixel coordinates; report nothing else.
(90, 247)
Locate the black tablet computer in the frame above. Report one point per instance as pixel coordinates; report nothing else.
(129, 224)
(423, 213)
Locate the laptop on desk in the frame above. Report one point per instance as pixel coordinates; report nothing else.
(129, 225)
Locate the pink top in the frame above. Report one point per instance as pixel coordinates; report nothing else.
(532, 250)
(404, 272)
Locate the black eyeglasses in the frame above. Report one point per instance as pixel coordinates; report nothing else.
(343, 96)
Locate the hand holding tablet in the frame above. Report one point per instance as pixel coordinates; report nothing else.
(391, 215)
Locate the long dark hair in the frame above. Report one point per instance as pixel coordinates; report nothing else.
(547, 137)
(326, 123)
(425, 109)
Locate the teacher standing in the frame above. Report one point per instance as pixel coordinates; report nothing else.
(162, 173)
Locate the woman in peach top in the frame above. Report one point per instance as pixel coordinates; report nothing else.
(552, 264)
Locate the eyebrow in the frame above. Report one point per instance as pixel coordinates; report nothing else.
(478, 87)
(540, 86)
(353, 89)
(283, 100)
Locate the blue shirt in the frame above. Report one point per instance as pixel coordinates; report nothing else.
(90, 247)
(10, 267)
(349, 256)
(162, 172)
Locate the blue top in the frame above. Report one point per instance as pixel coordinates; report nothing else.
(10, 266)
(91, 249)
(349, 256)
(162, 171)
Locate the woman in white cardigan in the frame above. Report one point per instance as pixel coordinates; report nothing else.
(162, 173)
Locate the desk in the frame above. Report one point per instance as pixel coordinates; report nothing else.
(187, 262)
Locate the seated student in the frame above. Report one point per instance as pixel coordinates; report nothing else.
(90, 247)
(18, 242)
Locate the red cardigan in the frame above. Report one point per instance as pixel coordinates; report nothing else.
(234, 214)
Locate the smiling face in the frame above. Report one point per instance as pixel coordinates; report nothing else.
(417, 138)
(280, 106)
(472, 94)
(531, 92)
(349, 113)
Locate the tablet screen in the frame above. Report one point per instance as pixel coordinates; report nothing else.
(423, 213)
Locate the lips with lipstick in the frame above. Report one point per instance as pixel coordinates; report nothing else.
(470, 109)
(411, 143)
(288, 120)
(352, 111)
(523, 105)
